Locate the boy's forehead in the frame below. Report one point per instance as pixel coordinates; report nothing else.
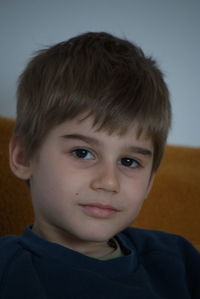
(80, 126)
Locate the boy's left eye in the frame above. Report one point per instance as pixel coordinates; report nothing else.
(84, 154)
(129, 162)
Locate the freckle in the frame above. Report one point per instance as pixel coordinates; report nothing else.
(77, 193)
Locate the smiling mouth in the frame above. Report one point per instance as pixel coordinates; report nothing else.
(99, 210)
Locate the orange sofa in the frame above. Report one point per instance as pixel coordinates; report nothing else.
(173, 204)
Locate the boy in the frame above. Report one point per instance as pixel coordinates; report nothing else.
(93, 116)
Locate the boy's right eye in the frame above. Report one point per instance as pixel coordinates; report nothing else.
(84, 154)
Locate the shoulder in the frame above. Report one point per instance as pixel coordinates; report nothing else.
(149, 241)
(165, 255)
(8, 245)
(170, 251)
(9, 248)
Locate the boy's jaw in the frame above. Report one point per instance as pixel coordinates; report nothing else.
(82, 202)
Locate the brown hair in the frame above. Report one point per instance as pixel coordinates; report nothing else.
(97, 73)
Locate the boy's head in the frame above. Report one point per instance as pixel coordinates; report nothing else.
(92, 120)
(98, 75)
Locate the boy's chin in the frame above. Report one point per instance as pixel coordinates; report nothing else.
(97, 236)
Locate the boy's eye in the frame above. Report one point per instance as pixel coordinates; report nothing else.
(82, 153)
(128, 162)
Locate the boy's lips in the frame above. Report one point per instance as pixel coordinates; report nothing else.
(98, 210)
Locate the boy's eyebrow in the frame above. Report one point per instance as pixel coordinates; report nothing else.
(94, 141)
(87, 139)
(140, 150)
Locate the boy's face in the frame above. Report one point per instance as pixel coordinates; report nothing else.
(86, 185)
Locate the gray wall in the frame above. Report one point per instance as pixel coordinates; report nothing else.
(168, 30)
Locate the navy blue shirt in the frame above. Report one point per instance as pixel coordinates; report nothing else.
(155, 265)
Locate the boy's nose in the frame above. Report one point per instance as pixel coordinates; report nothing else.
(106, 179)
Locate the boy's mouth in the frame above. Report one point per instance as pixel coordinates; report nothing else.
(99, 210)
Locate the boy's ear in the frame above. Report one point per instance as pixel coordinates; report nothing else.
(19, 163)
